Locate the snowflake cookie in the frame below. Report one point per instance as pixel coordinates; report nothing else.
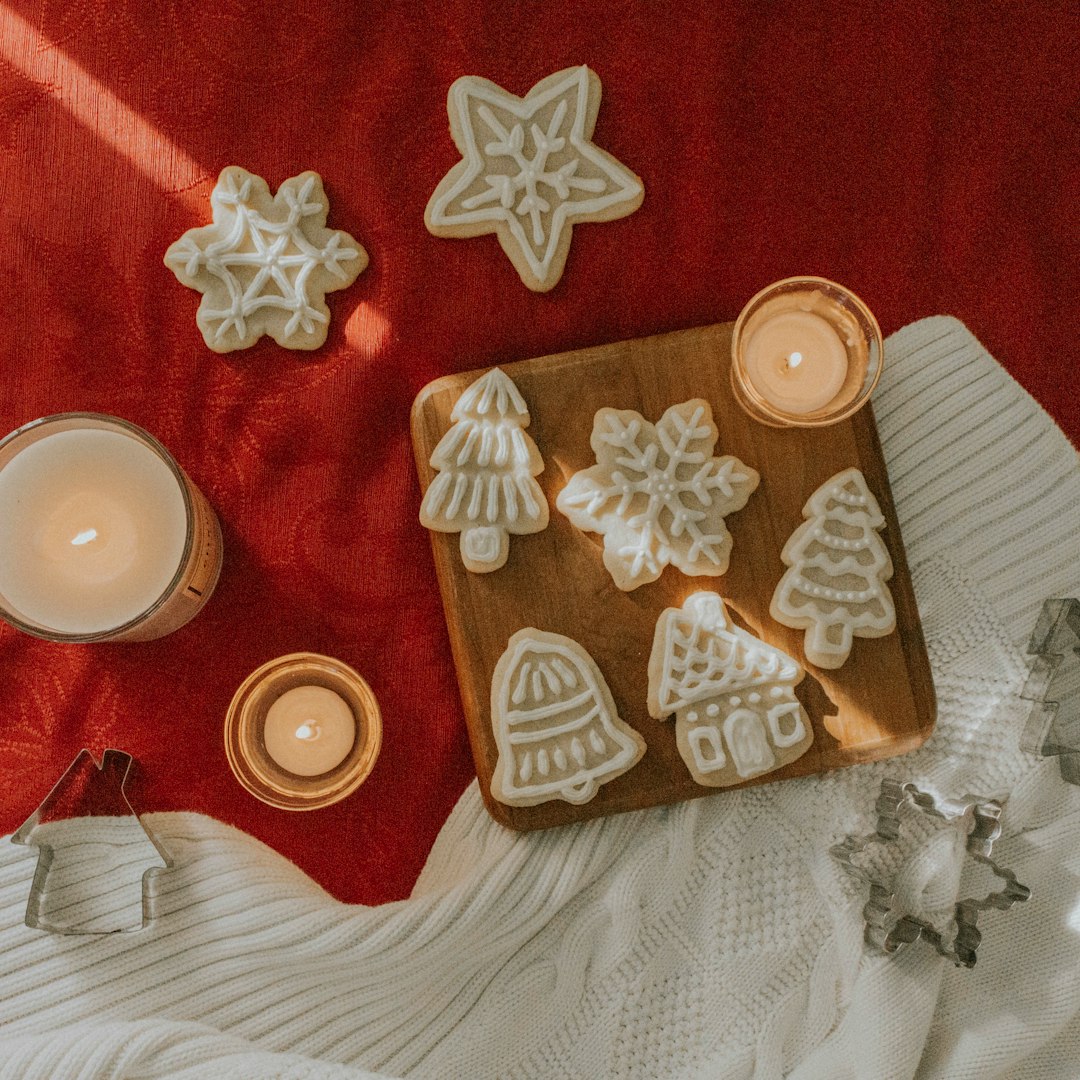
(529, 171)
(733, 695)
(485, 488)
(657, 495)
(835, 585)
(555, 724)
(265, 263)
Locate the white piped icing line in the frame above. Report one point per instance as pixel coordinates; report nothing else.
(486, 464)
(266, 262)
(529, 170)
(656, 493)
(699, 657)
(834, 587)
(555, 724)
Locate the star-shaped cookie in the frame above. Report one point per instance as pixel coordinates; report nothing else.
(265, 263)
(529, 171)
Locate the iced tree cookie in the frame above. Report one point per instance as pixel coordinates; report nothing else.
(736, 714)
(529, 171)
(486, 463)
(265, 263)
(656, 493)
(835, 586)
(555, 724)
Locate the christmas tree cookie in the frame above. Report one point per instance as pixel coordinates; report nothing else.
(529, 171)
(555, 724)
(265, 263)
(736, 714)
(657, 495)
(486, 463)
(835, 585)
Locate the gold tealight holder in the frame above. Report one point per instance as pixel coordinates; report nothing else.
(245, 724)
(844, 347)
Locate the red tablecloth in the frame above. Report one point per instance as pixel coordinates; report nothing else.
(921, 153)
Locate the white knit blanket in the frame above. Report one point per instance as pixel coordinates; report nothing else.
(714, 939)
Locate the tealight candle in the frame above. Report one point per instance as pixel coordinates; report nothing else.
(309, 730)
(805, 352)
(102, 536)
(302, 731)
(796, 359)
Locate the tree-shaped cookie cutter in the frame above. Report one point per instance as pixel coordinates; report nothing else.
(888, 928)
(88, 834)
(1053, 728)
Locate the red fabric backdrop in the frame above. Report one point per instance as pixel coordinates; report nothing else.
(922, 153)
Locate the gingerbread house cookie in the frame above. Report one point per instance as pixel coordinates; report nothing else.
(733, 695)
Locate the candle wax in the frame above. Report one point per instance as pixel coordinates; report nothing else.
(795, 358)
(309, 730)
(92, 530)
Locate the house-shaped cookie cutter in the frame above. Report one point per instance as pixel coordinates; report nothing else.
(888, 928)
(1053, 728)
(89, 837)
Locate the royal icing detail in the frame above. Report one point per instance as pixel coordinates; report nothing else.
(555, 724)
(657, 495)
(265, 263)
(529, 171)
(835, 586)
(486, 463)
(733, 695)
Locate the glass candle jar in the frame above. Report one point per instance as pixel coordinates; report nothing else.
(298, 714)
(805, 352)
(103, 537)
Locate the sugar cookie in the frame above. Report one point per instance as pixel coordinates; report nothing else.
(529, 171)
(485, 488)
(265, 263)
(835, 588)
(555, 724)
(736, 714)
(657, 495)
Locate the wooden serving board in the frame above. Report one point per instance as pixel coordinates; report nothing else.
(880, 703)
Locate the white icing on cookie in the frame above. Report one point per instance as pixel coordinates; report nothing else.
(698, 658)
(835, 586)
(486, 463)
(555, 724)
(529, 171)
(265, 263)
(656, 493)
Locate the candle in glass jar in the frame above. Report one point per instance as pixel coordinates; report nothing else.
(309, 730)
(798, 350)
(92, 530)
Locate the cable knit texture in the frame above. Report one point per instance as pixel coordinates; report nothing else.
(716, 938)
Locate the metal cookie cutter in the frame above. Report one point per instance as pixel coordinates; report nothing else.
(888, 927)
(97, 860)
(1053, 728)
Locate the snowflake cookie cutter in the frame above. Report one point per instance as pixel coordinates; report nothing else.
(888, 929)
(89, 837)
(1053, 687)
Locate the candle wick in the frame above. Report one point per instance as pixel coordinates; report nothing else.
(307, 732)
(795, 359)
(84, 537)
